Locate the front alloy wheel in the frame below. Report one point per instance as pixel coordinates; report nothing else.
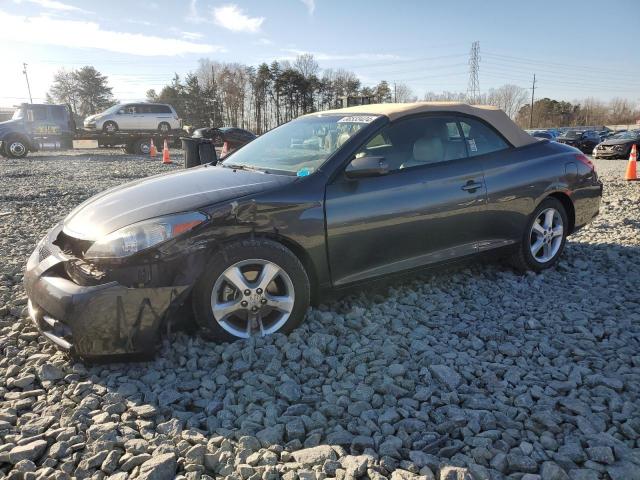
(252, 297)
(251, 288)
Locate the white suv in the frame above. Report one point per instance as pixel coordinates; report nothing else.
(135, 116)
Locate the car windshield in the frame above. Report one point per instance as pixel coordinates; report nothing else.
(113, 109)
(18, 114)
(299, 147)
(627, 135)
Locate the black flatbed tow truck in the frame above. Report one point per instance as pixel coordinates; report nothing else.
(37, 127)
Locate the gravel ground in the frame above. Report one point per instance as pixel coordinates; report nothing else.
(469, 373)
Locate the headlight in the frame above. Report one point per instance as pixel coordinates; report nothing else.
(619, 148)
(140, 236)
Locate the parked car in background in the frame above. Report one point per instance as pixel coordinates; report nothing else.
(618, 145)
(584, 141)
(135, 116)
(233, 137)
(325, 201)
(546, 134)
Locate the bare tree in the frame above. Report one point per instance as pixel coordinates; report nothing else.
(306, 64)
(402, 93)
(509, 98)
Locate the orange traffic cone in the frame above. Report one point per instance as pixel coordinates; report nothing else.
(165, 153)
(632, 171)
(225, 149)
(153, 151)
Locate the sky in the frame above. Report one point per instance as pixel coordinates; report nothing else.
(577, 49)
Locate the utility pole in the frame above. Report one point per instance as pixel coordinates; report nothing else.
(533, 91)
(395, 93)
(473, 88)
(24, 70)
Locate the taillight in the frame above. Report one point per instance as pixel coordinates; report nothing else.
(585, 160)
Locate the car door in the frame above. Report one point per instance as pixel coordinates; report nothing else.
(142, 117)
(125, 117)
(511, 175)
(38, 124)
(421, 212)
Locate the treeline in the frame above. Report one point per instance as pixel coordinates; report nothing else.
(553, 113)
(260, 98)
(263, 97)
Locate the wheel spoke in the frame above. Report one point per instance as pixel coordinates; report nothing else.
(222, 310)
(282, 303)
(548, 218)
(557, 231)
(546, 250)
(268, 274)
(535, 248)
(538, 228)
(236, 277)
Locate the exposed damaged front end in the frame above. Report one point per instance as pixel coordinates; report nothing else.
(91, 310)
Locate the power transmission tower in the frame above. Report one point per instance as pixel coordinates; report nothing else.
(473, 90)
(24, 70)
(533, 91)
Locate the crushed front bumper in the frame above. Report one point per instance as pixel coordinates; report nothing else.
(91, 321)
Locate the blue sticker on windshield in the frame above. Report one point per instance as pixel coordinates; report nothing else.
(303, 172)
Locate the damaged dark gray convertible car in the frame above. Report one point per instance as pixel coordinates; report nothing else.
(328, 200)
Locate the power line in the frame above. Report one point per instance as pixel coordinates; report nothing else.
(24, 70)
(473, 90)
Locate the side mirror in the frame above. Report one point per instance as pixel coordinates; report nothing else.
(120, 112)
(367, 167)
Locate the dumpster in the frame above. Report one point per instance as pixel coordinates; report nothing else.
(197, 151)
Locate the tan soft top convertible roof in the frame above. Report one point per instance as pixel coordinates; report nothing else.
(492, 115)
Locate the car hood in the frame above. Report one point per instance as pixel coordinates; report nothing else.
(619, 141)
(10, 125)
(164, 194)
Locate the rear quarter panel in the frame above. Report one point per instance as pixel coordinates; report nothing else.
(517, 180)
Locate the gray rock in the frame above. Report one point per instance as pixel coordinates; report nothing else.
(159, 467)
(30, 451)
(49, 372)
(446, 375)
(552, 471)
(391, 446)
(314, 456)
(290, 391)
(601, 455)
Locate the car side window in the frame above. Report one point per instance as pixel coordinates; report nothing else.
(480, 138)
(417, 142)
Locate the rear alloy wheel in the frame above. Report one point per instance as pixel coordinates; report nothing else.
(252, 288)
(164, 128)
(544, 238)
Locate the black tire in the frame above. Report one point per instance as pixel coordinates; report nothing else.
(523, 259)
(15, 147)
(164, 128)
(240, 251)
(110, 127)
(142, 147)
